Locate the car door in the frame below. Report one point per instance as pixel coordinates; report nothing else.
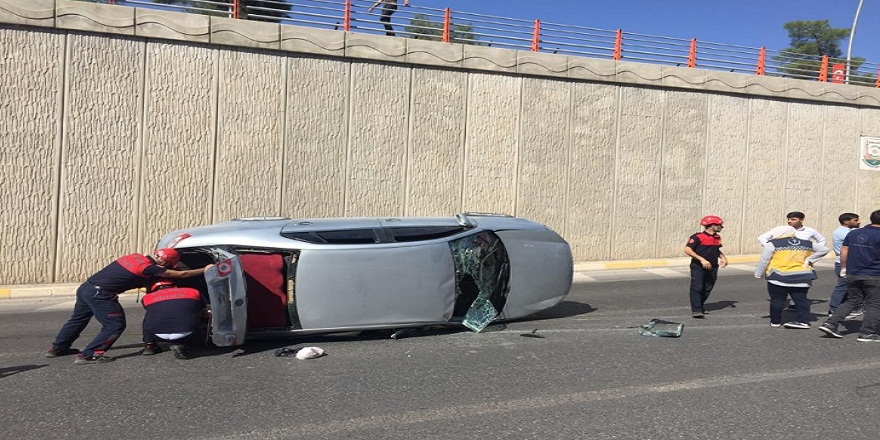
(227, 290)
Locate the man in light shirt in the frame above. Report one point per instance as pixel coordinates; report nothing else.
(787, 265)
(848, 221)
(795, 219)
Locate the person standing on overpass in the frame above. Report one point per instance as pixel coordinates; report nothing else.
(389, 7)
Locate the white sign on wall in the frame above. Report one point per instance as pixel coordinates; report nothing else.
(869, 154)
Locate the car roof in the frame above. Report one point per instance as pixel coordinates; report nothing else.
(327, 224)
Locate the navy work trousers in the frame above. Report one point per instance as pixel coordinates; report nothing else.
(702, 282)
(779, 295)
(105, 307)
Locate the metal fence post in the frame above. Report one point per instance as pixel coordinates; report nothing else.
(823, 69)
(618, 45)
(762, 61)
(536, 36)
(447, 20)
(236, 8)
(692, 55)
(346, 16)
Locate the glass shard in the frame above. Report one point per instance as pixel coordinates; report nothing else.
(661, 328)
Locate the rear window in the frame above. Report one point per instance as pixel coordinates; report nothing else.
(345, 236)
(419, 233)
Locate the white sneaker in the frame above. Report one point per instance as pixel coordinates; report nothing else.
(796, 325)
(855, 314)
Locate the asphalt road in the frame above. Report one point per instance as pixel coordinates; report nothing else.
(592, 376)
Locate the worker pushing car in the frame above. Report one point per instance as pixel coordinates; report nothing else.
(99, 297)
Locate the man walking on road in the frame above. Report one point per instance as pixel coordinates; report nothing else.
(848, 221)
(704, 248)
(860, 261)
(99, 297)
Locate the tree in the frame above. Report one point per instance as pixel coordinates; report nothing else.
(198, 6)
(810, 40)
(257, 10)
(421, 27)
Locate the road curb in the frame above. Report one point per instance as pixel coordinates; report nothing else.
(55, 290)
(655, 263)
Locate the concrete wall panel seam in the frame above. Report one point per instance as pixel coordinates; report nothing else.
(662, 177)
(139, 219)
(517, 163)
(704, 190)
(407, 184)
(348, 143)
(215, 133)
(283, 172)
(611, 251)
(465, 165)
(61, 108)
(566, 219)
(745, 199)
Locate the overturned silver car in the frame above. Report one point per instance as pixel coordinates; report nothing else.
(329, 275)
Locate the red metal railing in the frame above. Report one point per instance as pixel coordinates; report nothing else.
(520, 34)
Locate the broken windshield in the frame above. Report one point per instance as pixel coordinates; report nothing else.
(481, 279)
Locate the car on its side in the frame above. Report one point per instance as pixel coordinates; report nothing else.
(274, 274)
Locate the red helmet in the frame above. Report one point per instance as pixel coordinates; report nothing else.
(711, 220)
(161, 284)
(170, 256)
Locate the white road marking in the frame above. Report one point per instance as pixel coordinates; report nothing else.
(581, 278)
(67, 305)
(380, 421)
(742, 267)
(667, 273)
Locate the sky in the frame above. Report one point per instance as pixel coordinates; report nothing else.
(750, 23)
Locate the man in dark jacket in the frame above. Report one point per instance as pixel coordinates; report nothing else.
(173, 314)
(98, 297)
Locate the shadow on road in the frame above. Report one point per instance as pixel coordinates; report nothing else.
(565, 309)
(9, 371)
(720, 305)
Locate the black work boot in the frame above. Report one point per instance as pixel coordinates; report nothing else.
(58, 351)
(151, 348)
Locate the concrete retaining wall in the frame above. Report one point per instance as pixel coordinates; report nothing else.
(118, 124)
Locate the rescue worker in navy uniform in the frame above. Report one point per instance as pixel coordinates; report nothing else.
(704, 248)
(98, 297)
(172, 314)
